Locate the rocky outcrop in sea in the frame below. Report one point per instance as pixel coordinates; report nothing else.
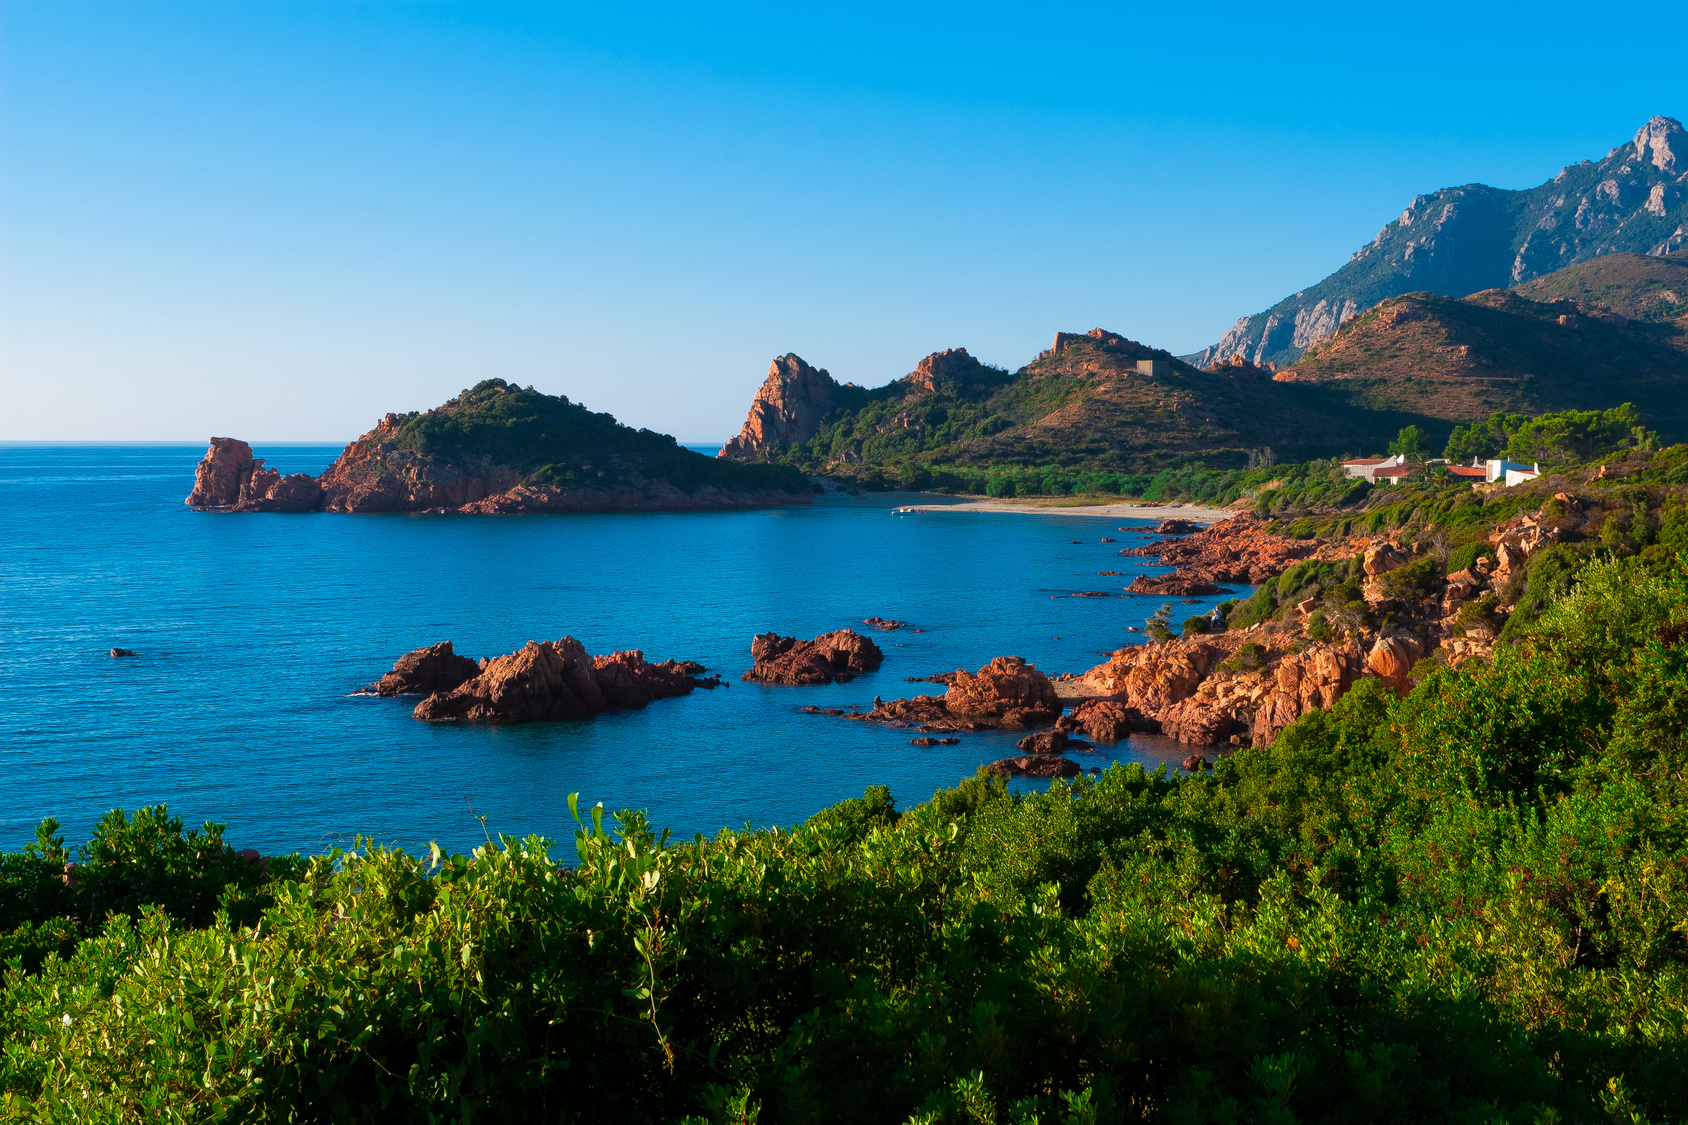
(540, 681)
(839, 656)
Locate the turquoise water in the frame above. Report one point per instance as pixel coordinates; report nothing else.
(253, 630)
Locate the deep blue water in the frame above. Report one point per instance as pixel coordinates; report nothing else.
(253, 630)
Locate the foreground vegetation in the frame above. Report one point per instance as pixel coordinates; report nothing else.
(1469, 904)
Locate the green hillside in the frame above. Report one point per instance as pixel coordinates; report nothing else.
(1633, 285)
(560, 442)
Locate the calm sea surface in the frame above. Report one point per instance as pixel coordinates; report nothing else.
(254, 630)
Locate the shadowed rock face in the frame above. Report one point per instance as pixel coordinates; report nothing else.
(221, 474)
(1035, 765)
(424, 671)
(230, 477)
(787, 410)
(1107, 720)
(841, 655)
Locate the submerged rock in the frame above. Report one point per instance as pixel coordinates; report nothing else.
(841, 655)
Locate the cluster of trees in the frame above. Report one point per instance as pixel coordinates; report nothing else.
(1569, 435)
(1467, 904)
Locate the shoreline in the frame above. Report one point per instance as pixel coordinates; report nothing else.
(936, 503)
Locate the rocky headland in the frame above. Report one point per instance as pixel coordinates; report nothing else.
(540, 681)
(497, 449)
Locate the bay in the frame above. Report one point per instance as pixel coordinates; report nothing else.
(253, 631)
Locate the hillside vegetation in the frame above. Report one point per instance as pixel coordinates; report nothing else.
(555, 441)
(1463, 904)
(1449, 360)
(1082, 409)
(1632, 285)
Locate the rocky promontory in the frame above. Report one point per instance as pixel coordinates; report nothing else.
(498, 449)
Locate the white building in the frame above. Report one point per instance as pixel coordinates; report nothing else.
(1366, 468)
(1508, 473)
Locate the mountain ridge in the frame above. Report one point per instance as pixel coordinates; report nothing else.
(1462, 240)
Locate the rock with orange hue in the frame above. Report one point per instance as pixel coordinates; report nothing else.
(629, 682)
(1196, 722)
(1178, 585)
(1035, 765)
(1312, 680)
(424, 671)
(841, 655)
(266, 490)
(1152, 677)
(1381, 558)
(1106, 720)
(940, 369)
(1392, 658)
(541, 680)
(927, 713)
(1177, 527)
(786, 410)
(1008, 690)
(221, 474)
(1239, 549)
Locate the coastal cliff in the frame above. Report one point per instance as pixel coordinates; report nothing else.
(497, 449)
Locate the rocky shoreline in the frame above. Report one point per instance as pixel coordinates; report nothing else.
(1219, 686)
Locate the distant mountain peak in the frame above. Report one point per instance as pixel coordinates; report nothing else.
(1657, 135)
(1462, 240)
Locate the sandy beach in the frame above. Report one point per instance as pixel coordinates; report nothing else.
(934, 503)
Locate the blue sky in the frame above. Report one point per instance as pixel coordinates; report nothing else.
(279, 220)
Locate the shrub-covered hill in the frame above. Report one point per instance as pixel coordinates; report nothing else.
(1451, 360)
(1632, 285)
(1466, 904)
(553, 441)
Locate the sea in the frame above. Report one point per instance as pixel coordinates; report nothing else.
(254, 632)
